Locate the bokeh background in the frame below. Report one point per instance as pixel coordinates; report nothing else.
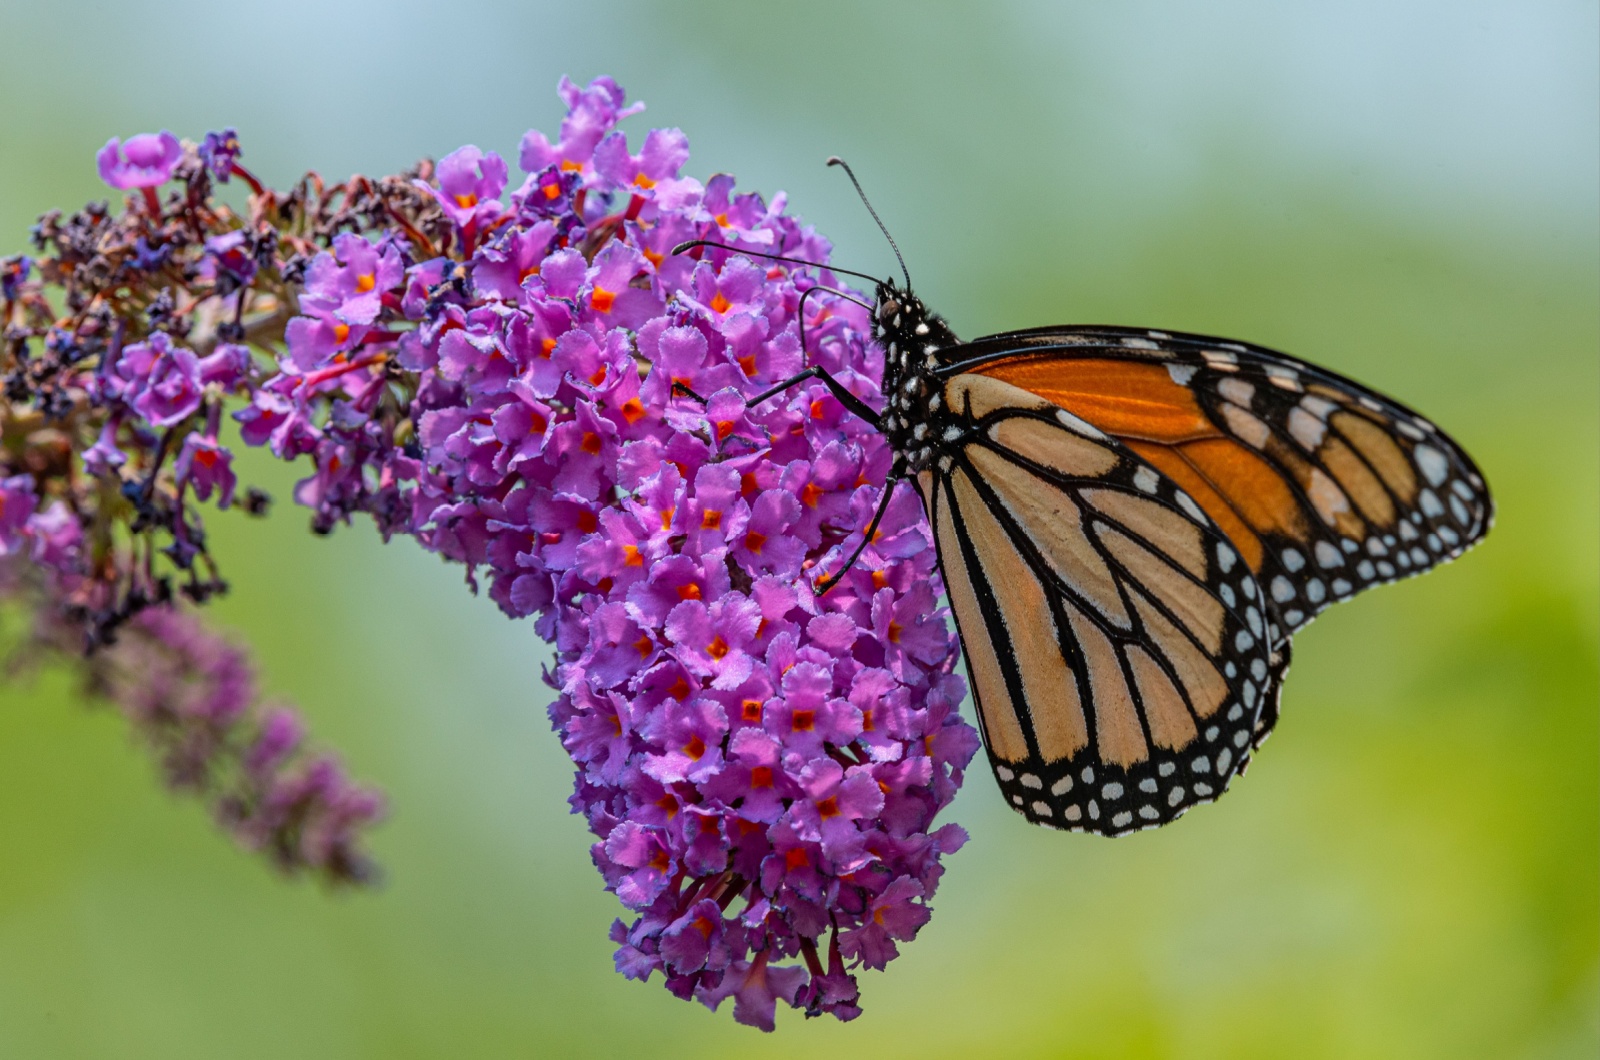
(1404, 191)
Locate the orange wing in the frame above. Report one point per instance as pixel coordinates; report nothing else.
(1325, 486)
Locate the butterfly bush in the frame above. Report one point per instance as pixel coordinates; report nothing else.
(529, 382)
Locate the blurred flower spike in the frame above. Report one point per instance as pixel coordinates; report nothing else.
(529, 383)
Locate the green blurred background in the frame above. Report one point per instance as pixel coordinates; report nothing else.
(1405, 192)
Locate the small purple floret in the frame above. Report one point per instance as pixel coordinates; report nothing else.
(145, 161)
(219, 151)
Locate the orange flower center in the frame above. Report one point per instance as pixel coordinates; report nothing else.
(717, 648)
(601, 299)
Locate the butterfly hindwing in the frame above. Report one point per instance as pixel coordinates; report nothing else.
(1116, 641)
(1325, 486)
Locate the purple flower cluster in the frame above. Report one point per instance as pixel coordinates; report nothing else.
(532, 384)
(761, 765)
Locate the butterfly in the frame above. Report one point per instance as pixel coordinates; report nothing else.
(1131, 525)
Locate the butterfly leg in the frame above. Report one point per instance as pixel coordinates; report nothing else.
(872, 528)
(847, 399)
(681, 388)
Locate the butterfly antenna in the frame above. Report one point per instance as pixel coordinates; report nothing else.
(691, 244)
(835, 160)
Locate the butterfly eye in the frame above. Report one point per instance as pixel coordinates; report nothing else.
(888, 309)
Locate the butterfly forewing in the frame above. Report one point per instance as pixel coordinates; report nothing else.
(1324, 486)
(1116, 641)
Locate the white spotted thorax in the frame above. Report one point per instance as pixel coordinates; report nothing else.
(913, 342)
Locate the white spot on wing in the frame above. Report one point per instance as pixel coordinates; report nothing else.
(1073, 423)
(1187, 504)
(1237, 391)
(1181, 373)
(1243, 424)
(1435, 468)
(1306, 428)
(1326, 497)
(1146, 480)
(1283, 377)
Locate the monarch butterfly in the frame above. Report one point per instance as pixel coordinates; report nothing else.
(1131, 524)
